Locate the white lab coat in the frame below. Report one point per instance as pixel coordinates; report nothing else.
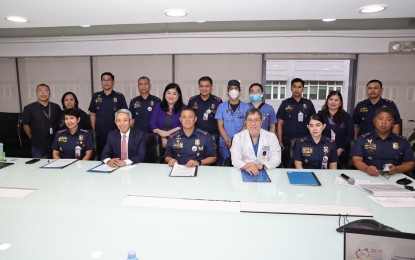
(269, 149)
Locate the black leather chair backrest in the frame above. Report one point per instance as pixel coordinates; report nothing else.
(155, 152)
(16, 143)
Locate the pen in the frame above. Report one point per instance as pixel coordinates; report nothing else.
(349, 180)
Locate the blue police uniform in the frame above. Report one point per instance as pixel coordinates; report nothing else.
(233, 122)
(104, 107)
(205, 112)
(315, 156)
(395, 149)
(65, 143)
(364, 113)
(268, 115)
(141, 110)
(294, 126)
(197, 146)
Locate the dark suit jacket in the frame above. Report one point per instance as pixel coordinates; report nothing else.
(136, 146)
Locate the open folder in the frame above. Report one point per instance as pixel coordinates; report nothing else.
(261, 177)
(183, 171)
(102, 168)
(59, 164)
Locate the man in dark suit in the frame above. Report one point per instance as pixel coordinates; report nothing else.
(125, 145)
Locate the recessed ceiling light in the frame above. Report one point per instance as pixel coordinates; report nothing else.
(16, 19)
(329, 19)
(85, 25)
(369, 9)
(175, 13)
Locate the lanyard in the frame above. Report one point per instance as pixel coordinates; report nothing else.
(43, 110)
(230, 108)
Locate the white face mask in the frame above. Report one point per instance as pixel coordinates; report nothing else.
(234, 94)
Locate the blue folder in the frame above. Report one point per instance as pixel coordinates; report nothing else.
(261, 177)
(303, 178)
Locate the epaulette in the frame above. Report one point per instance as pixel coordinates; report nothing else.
(83, 131)
(218, 99)
(62, 131)
(175, 134)
(401, 137)
(200, 131)
(193, 97)
(361, 102)
(117, 92)
(366, 135)
(303, 140)
(134, 99)
(388, 101)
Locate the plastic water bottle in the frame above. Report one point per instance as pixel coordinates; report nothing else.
(1, 151)
(132, 255)
(77, 152)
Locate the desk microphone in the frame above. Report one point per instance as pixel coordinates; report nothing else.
(349, 180)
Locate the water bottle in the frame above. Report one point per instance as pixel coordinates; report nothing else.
(132, 255)
(1, 151)
(77, 152)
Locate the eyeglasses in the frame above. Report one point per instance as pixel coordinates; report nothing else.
(256, 120)
(43, 91)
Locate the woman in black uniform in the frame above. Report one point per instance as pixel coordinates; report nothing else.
(315, 151)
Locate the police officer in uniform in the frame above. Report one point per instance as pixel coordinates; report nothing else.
(315, 151)
(189, 145)
(73, 142)
(364, 111)
(293, 115)
(382, 151)
(102, 110)
(205, 105)
(142, 105)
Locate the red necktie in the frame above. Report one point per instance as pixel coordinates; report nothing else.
(124, 148)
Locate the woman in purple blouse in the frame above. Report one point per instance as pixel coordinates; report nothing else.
(165, 117)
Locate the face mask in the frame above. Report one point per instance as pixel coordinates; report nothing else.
(255, 97)
(234, 94)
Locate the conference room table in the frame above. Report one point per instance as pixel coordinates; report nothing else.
(76, 214)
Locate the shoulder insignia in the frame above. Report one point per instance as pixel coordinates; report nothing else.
(193, 97)
(62, 131)
(200, 131)
(366, 135)
(84, 131)
(303, 140)
(218, 99)
(175, 134)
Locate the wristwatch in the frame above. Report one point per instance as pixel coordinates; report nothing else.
(199, 162)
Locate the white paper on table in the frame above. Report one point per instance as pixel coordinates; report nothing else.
(60, 163)
(394, 202)
(128, 167)
(341, 181)
(182, 171)
(14, 192)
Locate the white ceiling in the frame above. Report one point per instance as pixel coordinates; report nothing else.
(72, 13)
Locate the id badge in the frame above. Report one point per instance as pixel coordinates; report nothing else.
(332, 135)
(205, 116)
(300, 117)
(50, 130)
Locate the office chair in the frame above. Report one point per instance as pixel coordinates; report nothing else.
(154, 150)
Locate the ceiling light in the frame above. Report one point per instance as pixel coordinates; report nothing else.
(16, 19)
(370, 9)
(200, 21)
(175, 13)
(329, 19)
(85, 25)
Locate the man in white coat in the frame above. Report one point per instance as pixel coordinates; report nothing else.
(254, 148)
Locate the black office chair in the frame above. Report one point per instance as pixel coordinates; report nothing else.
(215, 139)
(155, 151)
(287, 160)
(16, 142)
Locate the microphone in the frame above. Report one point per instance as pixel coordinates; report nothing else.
(349, 180)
